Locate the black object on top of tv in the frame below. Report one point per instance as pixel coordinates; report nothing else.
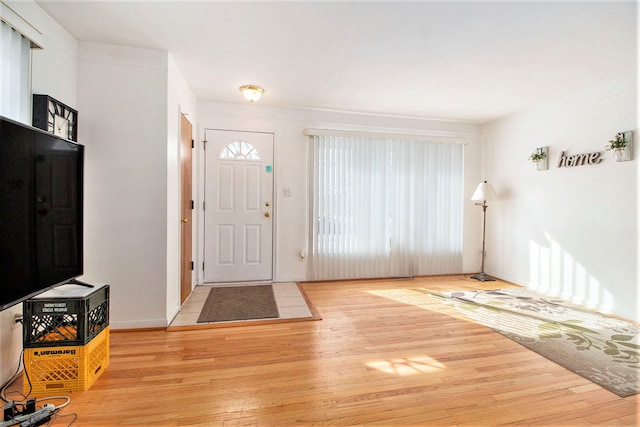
(41, 211)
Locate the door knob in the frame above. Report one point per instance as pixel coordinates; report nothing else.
(185, 220)
(267, 214)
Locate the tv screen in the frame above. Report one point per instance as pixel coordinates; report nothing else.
(41, 189)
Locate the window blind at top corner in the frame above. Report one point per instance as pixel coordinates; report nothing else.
(15, 61)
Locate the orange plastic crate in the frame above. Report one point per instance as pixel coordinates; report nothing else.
(59, 370)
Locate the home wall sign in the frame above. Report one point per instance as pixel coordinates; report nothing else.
(579, 159)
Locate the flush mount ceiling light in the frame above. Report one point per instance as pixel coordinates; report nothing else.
(251, 93)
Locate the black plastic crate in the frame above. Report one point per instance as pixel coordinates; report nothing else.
(69, 315)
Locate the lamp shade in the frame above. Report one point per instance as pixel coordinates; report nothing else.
(484, 192)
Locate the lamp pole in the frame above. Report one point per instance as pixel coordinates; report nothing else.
(484, 192)
(484, 231)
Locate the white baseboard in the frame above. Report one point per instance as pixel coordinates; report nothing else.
(138, 324)
(173, 314)
(290, 279)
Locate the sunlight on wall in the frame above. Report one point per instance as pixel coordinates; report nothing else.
(554, 271)
(404, 367)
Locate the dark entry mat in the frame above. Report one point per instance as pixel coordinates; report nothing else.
(239, 303)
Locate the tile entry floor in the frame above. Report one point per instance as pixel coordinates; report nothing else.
(291, 304)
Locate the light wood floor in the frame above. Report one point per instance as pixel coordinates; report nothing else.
(384, 354)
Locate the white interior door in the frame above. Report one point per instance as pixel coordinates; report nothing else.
(238, 214)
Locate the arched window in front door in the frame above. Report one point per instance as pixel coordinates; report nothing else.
(239, 150)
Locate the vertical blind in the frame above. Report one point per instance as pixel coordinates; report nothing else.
(385, 208)
(15, 60)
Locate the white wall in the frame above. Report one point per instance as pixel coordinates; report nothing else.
(132, 99)
(53, 73)
(291, 168)
(568, 232)
(180, 100)
(122, 104)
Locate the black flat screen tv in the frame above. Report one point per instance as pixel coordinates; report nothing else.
(41, 211)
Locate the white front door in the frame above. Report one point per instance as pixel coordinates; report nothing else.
(238, 214)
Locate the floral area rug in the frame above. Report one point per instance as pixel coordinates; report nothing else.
(603, 349)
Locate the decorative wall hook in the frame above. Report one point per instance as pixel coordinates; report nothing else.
(622, 146)
(540, 158)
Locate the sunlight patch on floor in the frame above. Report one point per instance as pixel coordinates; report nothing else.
(425, 298)
(415, 297)
(405, 367)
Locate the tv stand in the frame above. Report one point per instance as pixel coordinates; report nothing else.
(79, 283)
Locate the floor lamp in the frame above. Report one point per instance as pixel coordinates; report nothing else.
(483, 193)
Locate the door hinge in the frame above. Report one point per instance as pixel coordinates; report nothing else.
(203, 266)
(191, 265)
(193, 144)
(192, 205)
(203, 205)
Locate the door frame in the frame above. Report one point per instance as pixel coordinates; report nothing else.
(201, 148)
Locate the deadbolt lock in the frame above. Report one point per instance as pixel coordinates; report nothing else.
(267, 204)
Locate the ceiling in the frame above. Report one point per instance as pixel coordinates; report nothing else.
(473, 61)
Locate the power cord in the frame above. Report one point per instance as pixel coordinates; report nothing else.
(56, 416)
(25, 372)
(12, 379)
(39, 417)
(24, 412)
(29, 416)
